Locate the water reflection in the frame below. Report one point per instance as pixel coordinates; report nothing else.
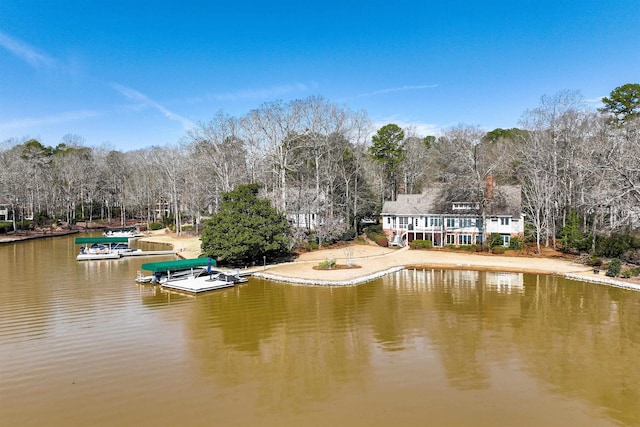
(453, 347)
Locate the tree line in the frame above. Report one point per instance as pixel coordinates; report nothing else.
(326, 168)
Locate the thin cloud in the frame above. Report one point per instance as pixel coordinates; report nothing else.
(148, 102)
(415, 128)
(70, 116)
(594, 101)
(396, 89)
(25, 52)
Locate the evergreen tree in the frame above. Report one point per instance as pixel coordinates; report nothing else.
(387, 149)
(623, 103)
(571, 235)
(245, 229)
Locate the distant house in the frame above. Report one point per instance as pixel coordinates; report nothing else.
(437, 215)
(163, 209)
(308, 220)
(5, 211)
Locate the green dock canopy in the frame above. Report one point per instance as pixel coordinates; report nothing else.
(179, 264)
(85, 240)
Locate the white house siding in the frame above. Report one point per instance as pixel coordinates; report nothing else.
(5, 212)
(411, 217)
(303, 220)
(437, 227)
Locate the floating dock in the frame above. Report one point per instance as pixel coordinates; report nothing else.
(190, 275)
(96, 248)
(145, 253)
(196, 285)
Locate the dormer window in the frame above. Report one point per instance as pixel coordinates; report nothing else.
(461, 206)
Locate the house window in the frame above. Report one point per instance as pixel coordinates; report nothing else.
(451, 222)
(388, 220)
(403, 222)
(506, 240)
(478, 239)
(504, 220)
(465, 222)
(436, 221)
(451, 239)
(416, 222)
(464, 239)
(426, 221)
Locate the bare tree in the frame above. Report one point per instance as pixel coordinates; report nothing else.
(217, 157)
(171, 161)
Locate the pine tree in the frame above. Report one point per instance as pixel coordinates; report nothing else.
(246, 229)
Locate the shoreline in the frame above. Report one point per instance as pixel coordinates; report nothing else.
(375, 261)
(32, 235)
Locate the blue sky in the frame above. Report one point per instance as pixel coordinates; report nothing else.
(135, 74)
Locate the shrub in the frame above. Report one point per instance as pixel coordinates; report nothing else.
(311, 246)
(382, 241)
(348, 235)
(327, 264)
(495, 239)
(420, 244)
(375, 233)
(498, 250)
(155, 226)
(515, 243)
(5, 227)
(614, 267)
(594, 261)
(630, 272)
(41, 218)
(632, 256)
(617, 244)
(168, 221)
(373, 230)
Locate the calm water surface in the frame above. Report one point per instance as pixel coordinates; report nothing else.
(81, 344)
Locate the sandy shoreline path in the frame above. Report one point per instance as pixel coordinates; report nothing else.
(187, 247)
(374, 261)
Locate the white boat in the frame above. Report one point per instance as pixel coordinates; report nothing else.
(189, 275)
(129, 232)
(124, 250)
(110, 248)
(102, 247)
(198, 281)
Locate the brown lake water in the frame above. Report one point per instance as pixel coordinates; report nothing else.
(81, 344)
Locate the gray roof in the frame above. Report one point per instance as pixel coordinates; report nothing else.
(439, 199)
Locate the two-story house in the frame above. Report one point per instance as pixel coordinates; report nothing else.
(437, 215)
(5, 211)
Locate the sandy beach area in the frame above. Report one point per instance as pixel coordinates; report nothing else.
(371, 261)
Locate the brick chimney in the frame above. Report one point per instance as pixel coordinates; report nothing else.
(490, 186)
